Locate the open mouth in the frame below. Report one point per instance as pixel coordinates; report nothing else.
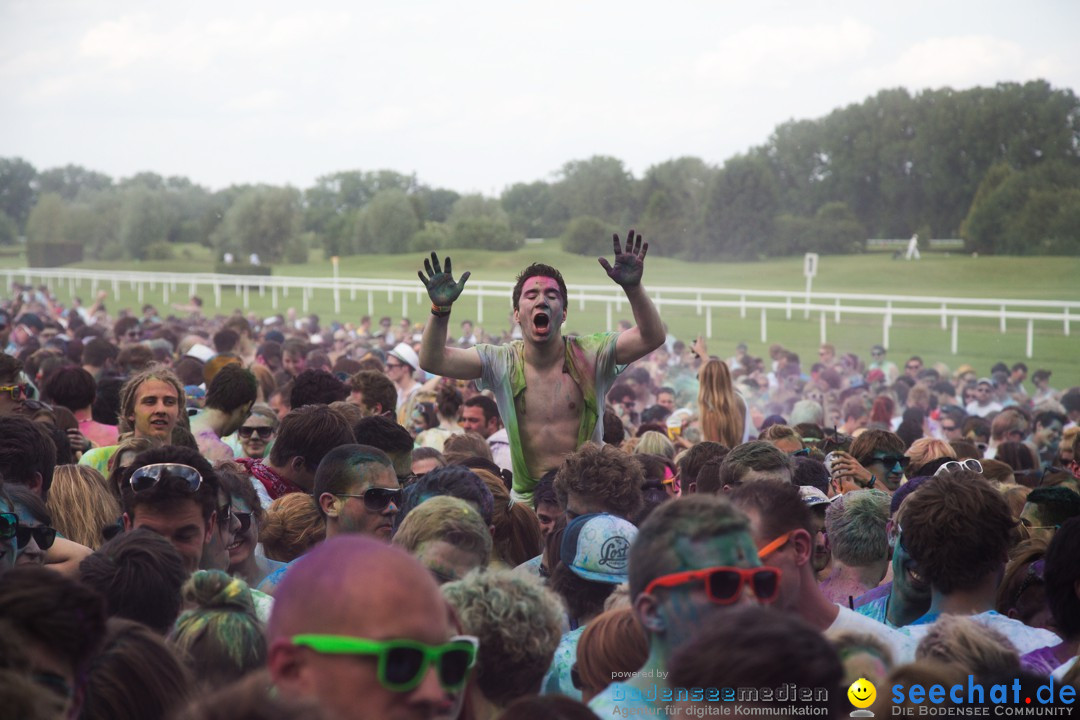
(915, 580)
(237, 543)
(542, 323)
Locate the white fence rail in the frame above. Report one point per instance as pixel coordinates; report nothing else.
(948, 310)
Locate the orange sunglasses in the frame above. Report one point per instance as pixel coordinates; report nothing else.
(724, 585)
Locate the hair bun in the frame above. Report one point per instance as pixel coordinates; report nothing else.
(217, 590)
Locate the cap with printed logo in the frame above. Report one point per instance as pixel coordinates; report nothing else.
(597, 547)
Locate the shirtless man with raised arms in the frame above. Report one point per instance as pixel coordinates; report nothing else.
(550, 389)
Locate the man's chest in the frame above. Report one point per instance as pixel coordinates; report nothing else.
(550, 397)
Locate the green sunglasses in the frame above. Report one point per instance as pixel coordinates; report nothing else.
(9, 525)
(403, 663)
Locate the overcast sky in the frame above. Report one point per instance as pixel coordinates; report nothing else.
(475, 96)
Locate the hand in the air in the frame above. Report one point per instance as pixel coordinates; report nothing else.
(698, 348)
(629, 262)
(440, 284)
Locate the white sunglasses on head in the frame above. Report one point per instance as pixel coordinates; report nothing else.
(953, 465)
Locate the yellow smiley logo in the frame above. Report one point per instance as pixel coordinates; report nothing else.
(862, 693)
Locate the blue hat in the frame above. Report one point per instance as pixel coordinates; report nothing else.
(597, 547)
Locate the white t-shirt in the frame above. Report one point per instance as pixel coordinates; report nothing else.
(974, 408)
(902, 646)
(1059, 672)
(1024, 638)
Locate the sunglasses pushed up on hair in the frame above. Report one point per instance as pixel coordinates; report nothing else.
(148, 476)
(953, 465)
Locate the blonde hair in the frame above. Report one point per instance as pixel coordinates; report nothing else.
(81, 504)
(654, 443)
(926, 449)
(1015, 496)
(519, 623)
(131, 388)
(721, 419)
(293, 525)
(976, 649)
(449, 519)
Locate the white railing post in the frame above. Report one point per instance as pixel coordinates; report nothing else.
(1002, 319)
(1030, 338)
(1066, 322)
(955, 333)
(823, 333)
(888, 315)
(708, 322)
(742, 306)
(480, 308)
(944, 317)
(698, 308)
(764, 328)
(607, 316)
(836, 317)
(787, 308)
(371, 303)
(885, 333)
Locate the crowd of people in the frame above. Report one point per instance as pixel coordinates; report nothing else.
(239, 517)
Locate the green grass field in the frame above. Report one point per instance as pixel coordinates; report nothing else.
(980, 342)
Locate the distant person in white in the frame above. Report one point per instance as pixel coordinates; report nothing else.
(913, 248)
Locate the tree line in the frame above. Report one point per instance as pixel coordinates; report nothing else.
(998, 166)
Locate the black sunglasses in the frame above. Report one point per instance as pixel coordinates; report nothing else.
(263, 432)
(44, 535)
(244, 520)
(377, 499)
(891, 461)
(112, 530)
